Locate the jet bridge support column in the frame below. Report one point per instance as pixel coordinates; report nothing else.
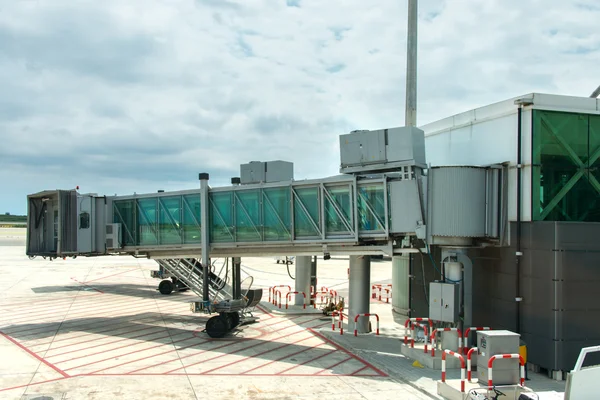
(359, 297)
(303, 269)
(204, 206)
(401, 284)
(236, 277)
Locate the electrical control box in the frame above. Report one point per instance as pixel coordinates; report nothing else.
(443, 301)
(491, 343)
(383, 149)
(269, 171)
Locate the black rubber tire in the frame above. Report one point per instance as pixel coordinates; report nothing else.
(234, 320)
(165, 287)
(217, 327)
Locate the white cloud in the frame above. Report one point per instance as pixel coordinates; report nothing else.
(142, 95)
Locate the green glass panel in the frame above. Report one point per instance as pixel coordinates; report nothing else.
(566, 148)
(124, 214)
(306, 212)
(170, 220)
(276, 214)
(371, 207)
(192, 232)
(341, 205)
(220, 217)
(247, 216)
(147, 222)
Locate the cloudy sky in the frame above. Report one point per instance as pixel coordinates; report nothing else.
(133, 96)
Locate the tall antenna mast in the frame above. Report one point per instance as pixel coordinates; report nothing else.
(411, 65)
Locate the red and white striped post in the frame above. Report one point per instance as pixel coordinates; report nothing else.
(412, 327)
(469, 354)
(424, 326)
(468, 331)
(373, 288)
(434, 336)
(462, 368)
(274, 290)
(289, 297)
(504, 356)
(365, 315)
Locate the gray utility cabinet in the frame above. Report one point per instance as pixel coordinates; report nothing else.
(491, 343)
(382, 149)
(269, 171)
(444, 301)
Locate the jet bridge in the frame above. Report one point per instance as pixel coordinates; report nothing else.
(385, 202)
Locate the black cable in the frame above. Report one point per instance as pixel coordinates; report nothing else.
(288, 269)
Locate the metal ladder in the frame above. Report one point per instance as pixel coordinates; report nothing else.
(189, 271)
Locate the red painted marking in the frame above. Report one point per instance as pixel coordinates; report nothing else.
(84, 310)
(175, 359)
(283, 358)
(55, 368)
(133, 352)
(123, 312)
(259, 354)
(111, 329)
(34, 383)
(124, 346)
(306, 362)
(358, 370)
(264, 310)
(108, 276)
(337, 346)
(333, 366)
(236, 351)
(204, 351)
(161, 329)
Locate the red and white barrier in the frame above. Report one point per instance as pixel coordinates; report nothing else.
(365, 315)
(468, 331)
(334, 294)
(462, 368)
(501, 356)
(289, 297)
(388, 295)
(273, 289)
(412, 327)
(425, 331)
(434, 335)
(340, 316)
(379, 287)
(469, 354)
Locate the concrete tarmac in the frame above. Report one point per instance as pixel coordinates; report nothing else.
(97, 328)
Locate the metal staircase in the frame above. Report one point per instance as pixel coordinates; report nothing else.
(189, 272)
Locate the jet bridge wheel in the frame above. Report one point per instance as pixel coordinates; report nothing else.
(217, 326)
(165, 287)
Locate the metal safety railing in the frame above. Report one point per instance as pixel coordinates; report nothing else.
(440, 330)
(365, 315)
(462, 367)
(411, 322)
(505, 356)
(467, 333)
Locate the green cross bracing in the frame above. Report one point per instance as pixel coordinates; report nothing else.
(322, 211)
(566, 157)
